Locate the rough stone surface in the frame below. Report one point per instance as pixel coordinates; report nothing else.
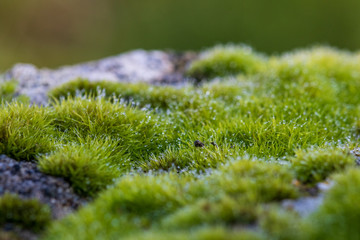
(306, 205)
(25, 180)
(154, 67)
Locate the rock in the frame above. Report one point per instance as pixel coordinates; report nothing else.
(153, 67)
(25, 180)
(304, 206)
(197, 143)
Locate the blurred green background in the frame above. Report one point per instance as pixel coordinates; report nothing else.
(56, 32)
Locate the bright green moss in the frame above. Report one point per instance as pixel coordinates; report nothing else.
(136, 132)
(89, 166)
(25, 131)
(28, 214)
(131, 146)
(316, 165)
(227, 60)
(188, 159)
(281, 224)
(224, 210)
(140, 94)
(255, 181)
(8, 92)
(339, 215)
(228, 196)
(133, 204)
(316, 61)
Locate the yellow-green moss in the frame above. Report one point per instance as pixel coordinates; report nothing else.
(25, 132)
(28, 214)
(273, 121)
(313, 166)
(227, 60)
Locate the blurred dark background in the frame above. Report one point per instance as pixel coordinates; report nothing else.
(56, 32)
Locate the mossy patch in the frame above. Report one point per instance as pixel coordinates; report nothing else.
(316, 165)
(227, 60)
(8, 92)
(89, 166)
(27, 213)
(214, 160)
(25, 132)
(337, 218)
(230, 196)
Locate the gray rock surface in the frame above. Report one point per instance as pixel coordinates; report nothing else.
(306, 205)
(153, 67)
(25, 180)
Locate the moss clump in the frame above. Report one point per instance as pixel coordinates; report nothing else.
(280, 224)
(29, 214)
(131, 147)
(139, 94)
(138, 133)
(255, 181)
(192, 158)
(224, 210)
(25, 132)
(316, 61)
(229, 196)
(227, 60)
(88, 166)
(338, 216)
(316, 165)
(8, 92)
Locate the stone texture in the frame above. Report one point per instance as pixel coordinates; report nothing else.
(153, 67)
(25, 180)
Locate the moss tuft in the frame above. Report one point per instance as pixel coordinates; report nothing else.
(138, 133)
(89, 167)
(8, 92)
(316, 165)
(227, 60)
(25, 132)
(339, 215)
(28, 214)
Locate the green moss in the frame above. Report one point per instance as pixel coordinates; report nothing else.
(255, 181)
(8, 92)
(227, 60)
(229, 196)
(138, 133)
(316, 61)
(338, 216)
(89, 166)
(281, 224)
(224, 210)
(134, 203)
(140, 94)
(28, 214)
(316, 165)
(25, 132)
(199, 159)
(131, 147)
